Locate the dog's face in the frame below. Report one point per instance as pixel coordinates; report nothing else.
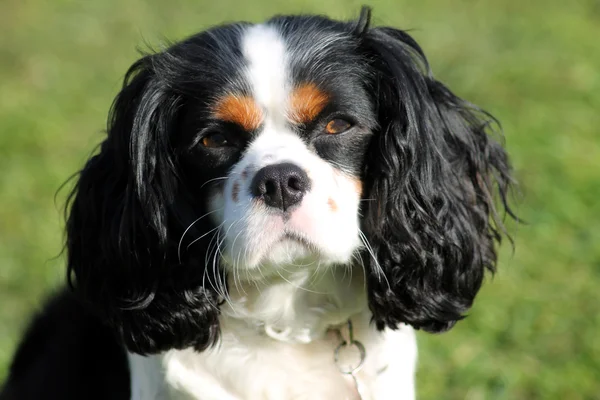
(301, 142)
(291, 129)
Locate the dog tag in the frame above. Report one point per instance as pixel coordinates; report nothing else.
(349, 357)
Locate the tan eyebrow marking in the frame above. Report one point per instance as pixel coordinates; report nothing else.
(306, 102)
(241, 110)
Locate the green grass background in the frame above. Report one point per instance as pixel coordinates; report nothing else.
(535, 64)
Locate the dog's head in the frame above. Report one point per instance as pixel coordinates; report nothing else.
(299, 142)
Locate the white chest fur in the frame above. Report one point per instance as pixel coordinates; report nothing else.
(274, 345)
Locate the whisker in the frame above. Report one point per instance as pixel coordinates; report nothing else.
(314, 281)
(235, 262)
(348, 270)
(205, 274)
(301, 265)
(209, 247)
(297, 286)
(258, 268)
(196, 240)
(188, 228)
(220, 178)
(358, 257)
(294, 285)
(219, 251)
(215, 285)
(370, 250)
(227, 297)
(222, 280)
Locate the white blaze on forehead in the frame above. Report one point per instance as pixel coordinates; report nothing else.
(264, 49)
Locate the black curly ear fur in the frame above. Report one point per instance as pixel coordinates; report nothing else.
(433, 173)
(122, 226)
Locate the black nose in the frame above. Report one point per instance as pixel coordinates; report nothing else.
(280, 185)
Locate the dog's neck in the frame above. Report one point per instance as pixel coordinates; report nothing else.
(297, 305)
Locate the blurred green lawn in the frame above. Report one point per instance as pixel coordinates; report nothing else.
(535, 330)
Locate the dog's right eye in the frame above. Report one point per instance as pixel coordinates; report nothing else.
(215, 139)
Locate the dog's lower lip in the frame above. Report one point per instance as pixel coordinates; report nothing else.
(298, 238)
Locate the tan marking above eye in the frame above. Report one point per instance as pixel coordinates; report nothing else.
(306, 103)
(337, 125)
(240, 110)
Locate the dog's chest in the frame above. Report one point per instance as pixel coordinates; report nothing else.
(276, 343)
(247, 365)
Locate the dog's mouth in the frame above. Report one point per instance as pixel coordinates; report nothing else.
(300, 239)
(290, 248)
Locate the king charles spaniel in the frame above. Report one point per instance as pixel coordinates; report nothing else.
(275, 208)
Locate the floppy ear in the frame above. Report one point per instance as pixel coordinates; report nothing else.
(122, 223)
(432, 174)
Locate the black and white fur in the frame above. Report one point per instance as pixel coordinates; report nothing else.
(188, 283)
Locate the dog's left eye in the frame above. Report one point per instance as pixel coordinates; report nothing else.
(337, 126)
(215, 140)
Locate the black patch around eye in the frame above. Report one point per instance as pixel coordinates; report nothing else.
(220, 135)
(344, 151)
(226, 142)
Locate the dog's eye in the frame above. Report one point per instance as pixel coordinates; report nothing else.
(337, 125)
(214, 140)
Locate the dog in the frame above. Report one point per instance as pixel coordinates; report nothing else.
(275, 210)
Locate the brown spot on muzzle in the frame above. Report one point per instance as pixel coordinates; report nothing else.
(306, 103)
(241, 110)
(332, 204)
